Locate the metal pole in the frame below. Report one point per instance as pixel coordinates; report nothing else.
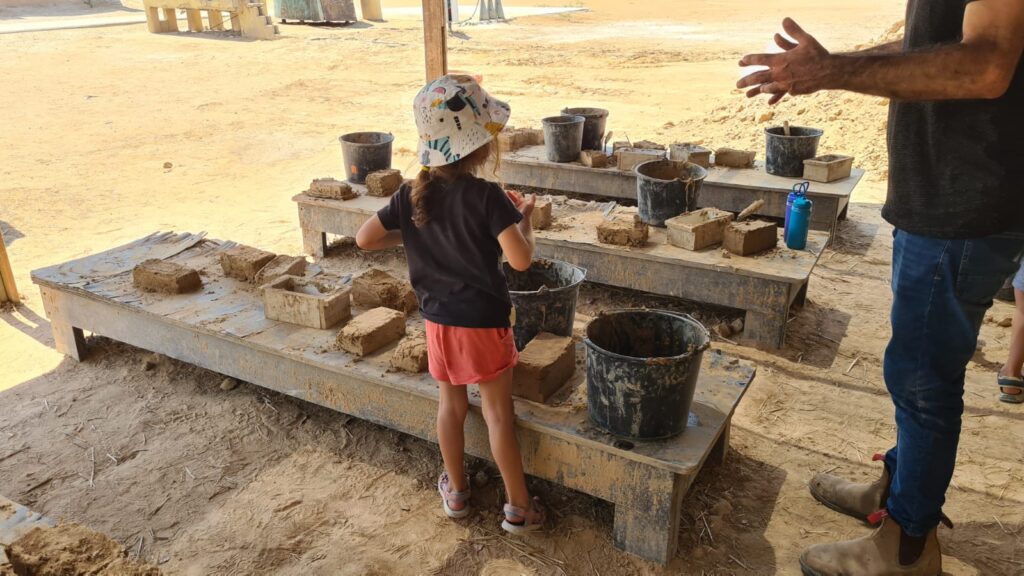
(497, 12)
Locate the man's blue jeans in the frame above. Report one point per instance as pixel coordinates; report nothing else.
(941, 290)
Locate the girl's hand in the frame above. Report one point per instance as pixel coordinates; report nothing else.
(524, 205)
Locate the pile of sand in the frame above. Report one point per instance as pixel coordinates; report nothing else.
(71, 549)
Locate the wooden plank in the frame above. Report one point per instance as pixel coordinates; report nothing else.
(8, 289)
(435, 39)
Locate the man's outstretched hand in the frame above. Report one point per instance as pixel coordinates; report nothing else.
(801, 68)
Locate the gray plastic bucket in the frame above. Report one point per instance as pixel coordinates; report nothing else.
(365, 152)
(563, 137)
(593, 126)
(544, 297)
(785, 155)
(642, 369)
(667, 188)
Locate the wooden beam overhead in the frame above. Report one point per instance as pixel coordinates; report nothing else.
(435, 39)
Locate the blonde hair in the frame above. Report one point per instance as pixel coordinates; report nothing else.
(429, 179)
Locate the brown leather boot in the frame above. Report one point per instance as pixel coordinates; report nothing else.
(850, 498)
(875, 555)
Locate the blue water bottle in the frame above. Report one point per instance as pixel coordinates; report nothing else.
(799, 222)
(799, 191)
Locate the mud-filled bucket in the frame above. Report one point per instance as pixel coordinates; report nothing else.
(544, 297)
(785, 155)
(667, 188)
(642, 368)
(563, 137)
(593, 126)
(365, 152)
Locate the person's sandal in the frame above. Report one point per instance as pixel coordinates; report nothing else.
(1011, 389)
(449, 498)
(529, 520)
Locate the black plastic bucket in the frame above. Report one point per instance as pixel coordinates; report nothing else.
(365, 152)
(544, 297)
(642, 368)
(667, 188)
(785, 155)
(593, 126)
(563, 137)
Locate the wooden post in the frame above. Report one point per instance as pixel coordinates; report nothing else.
(195, 20)
(8, 291)
(435, 39)
(216, 19)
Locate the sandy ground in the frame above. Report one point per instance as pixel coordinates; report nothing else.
(245, 481)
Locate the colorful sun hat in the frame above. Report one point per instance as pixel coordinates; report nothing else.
(455, 116)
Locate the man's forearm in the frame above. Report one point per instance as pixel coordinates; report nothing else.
(957, 71)
(894, 47)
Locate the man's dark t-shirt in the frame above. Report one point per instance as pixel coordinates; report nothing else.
(455, 259)
(956, 167)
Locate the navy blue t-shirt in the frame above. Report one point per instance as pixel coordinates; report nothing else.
(455, 259)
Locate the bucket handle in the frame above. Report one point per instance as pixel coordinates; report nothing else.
(707, 334)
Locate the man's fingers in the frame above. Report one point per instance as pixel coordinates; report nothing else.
(759, 60)
(755, 79)
(755, 91)
(775, 98)
(774, 88)
(784, 42)
(795, 31)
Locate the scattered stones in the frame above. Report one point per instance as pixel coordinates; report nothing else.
(244, 262)
(306, 302)
(1005, 322)
(281, 265)
(723, 330)
(411, 353)
(546, 363)
(541, 216)
(736, 326)
(371, 331)
(331, 189)
(732, 158)
(383, 183)
(228, 384)
(376, 287)
(623, 230)
(750, 237)
(155, 275)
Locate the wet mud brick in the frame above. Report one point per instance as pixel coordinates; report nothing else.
(281, 265)
(750, 237)
(545, 365)
(828, 168)
(511, 139)
(331, 189)
(383, 183)
(629, 158)
(732, 158)
(306, 302)
(690, 152)
(376, 287)
(623, 230)
(156, 275)
(594, 159)
(244, 262)
(371, 331)
(541, 216)
(411, 353)
(698, 229)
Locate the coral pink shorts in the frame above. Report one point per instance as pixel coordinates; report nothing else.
(463, 356)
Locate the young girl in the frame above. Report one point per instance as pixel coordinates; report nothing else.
(455, 228)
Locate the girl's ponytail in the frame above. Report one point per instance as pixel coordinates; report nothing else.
(428, 179)
(419, 196)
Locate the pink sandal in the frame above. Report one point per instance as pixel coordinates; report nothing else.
(529, 520)
(449, 498)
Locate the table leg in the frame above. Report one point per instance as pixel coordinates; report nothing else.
(801, 295)
(314, 242)
(649, 525)
(721, 448)
(765, 330)
(68, 340)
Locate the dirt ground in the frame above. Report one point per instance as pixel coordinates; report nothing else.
(201, 480)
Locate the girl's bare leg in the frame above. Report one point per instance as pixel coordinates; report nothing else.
(451, 417)
(501, 431)
(1016, 357)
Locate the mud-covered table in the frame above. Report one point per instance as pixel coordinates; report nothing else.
(764, 286)
(222, 328)
(726, 188)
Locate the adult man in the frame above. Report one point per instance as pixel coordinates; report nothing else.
(956, 164)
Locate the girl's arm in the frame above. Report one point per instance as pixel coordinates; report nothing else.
(373, 236)
(517, 240)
